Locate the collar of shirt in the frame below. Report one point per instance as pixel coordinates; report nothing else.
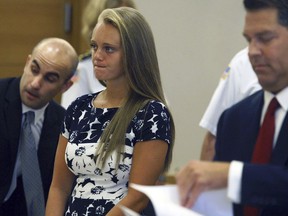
(39, 113)
(280, 113)
(281, 97)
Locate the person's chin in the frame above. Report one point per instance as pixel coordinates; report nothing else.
(33, 103)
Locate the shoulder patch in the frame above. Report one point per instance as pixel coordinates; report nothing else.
(225, 74)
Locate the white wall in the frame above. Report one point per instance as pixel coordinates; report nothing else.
(195, 41)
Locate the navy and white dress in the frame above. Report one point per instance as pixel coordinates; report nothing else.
(98, 189)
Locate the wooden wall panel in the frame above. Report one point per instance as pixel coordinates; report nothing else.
(22, 25)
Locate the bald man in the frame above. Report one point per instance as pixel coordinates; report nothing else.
(47, 72)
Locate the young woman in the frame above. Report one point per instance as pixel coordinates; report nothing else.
(123, 134)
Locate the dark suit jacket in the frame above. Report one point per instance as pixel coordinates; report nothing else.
(10, 125)
(265, 186)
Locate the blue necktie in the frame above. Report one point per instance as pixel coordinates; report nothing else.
(31, 176)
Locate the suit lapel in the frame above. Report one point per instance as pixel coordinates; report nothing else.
(13, 114)
(47, 140)
(254, 110)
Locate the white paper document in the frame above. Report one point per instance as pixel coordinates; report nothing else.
(166, 202)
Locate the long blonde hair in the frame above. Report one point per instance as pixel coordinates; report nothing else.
(141, 68)
(94, 8)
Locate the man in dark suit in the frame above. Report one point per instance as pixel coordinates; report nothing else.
(262, 185)
(47, 72)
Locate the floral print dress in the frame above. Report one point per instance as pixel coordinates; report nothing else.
(98, 189)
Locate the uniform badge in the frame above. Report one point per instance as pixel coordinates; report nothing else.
(225, 74)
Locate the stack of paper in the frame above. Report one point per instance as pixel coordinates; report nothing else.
(166, 202)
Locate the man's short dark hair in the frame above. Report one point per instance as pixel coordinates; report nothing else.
(280, 5)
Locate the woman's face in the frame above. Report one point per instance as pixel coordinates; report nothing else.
(107, 53)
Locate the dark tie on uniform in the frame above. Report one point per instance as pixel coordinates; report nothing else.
(264, 145)
(31, 176)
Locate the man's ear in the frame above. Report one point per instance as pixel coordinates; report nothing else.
(66, 85)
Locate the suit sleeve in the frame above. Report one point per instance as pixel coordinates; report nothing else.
(265, 185)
